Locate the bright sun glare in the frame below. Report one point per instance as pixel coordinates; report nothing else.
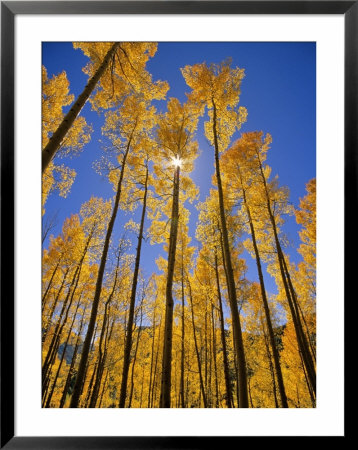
(177, 162)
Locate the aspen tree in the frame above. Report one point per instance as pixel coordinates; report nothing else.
(239, 176)
(217, 88)
(269, 195)
(140, 174)
(176, 151)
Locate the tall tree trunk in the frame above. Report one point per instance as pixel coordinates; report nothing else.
(51, 357)
(313, 351)
(168, 325)
(233, 338)
(228, 396)
(181, 390)
(197, 348)
(276, 357)
(56, 139)
(250, 396)
(206, 357)
(128, 340)
(214, 357)
(103, 330)
(151, 360)
(209, 359)
(55, 302)
(50, 283)
(309, 387)
(96, 384)
(84, 356)
(51, 354)
(239, 345)
(301, 338)
(154, 389)
(48, 401)
(135, 359)
(299, 313)
(73, 362)
(141, 390)
(271, 367)
(236, 374)
(101, 367)
(88, 362)
(103, 389)
(89, 389)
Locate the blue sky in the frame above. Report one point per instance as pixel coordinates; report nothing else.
(279, 92)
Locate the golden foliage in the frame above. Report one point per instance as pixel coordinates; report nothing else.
(149, 151)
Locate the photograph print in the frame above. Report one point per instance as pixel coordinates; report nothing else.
(178, 225)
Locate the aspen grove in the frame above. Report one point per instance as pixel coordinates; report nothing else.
(153, 294)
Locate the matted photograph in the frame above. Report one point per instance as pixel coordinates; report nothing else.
(178, 225)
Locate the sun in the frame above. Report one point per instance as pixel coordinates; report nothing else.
(177, 162)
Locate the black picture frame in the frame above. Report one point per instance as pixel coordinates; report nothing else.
(9, 9)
